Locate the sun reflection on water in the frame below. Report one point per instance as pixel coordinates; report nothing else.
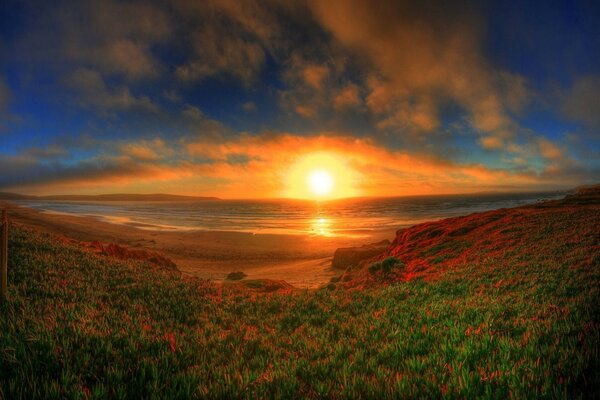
(321, 226)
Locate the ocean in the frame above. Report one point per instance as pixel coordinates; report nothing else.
(348, 217)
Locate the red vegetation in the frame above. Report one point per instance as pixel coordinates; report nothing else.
(427, 250)
(123, 253)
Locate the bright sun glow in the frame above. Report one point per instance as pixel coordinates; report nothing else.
(320, 182)
(321, 175)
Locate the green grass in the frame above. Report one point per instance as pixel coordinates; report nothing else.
(79, 325)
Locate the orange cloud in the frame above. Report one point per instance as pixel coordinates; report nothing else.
(347, 97)
(146, 150)
(423, 56)
(549, 150)
(271, 165)
(314, 74)
(377, 170)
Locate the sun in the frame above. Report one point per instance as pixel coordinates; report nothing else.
(320, 182)
(321, 175)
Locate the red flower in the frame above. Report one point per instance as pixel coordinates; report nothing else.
(170, 337)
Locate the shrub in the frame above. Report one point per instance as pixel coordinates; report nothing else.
(386, 265)
(236, 276)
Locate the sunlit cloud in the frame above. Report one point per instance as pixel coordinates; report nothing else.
(272, 165)
(440, 62)
(229, 98)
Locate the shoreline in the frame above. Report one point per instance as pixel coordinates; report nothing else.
(304, 261)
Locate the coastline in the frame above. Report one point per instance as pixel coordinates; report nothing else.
(304, 261)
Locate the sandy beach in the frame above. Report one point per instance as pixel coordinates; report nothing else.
(304, 261)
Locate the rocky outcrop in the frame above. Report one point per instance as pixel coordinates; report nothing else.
(352, 256)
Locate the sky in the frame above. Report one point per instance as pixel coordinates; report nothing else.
(245, 99)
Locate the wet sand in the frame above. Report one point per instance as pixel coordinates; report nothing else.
(303, 261)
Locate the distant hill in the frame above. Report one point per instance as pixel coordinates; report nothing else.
(14, 196)
(107, 197)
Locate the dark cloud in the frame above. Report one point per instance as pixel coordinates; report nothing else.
(5, 95)
(26, 172)
(7, 117)
(249, 106)
(424, 55)
(581, 102)
(92, 90)
(114, 37)
(417, 77)
(229, 38)
(51, 152)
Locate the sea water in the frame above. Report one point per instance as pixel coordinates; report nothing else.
(346, 217)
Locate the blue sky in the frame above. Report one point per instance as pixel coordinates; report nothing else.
(226, 97)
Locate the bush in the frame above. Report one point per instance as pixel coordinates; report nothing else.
(236, 276)
(386, 265)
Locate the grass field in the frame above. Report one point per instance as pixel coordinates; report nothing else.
(512, 322)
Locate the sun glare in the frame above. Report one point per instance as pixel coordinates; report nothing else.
(321, 175)
(320, 182)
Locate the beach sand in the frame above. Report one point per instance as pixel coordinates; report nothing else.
(303, 261)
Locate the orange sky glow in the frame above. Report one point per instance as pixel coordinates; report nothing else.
(249, 99)
(279, 165)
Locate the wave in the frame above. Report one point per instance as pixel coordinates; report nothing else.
(350, 217)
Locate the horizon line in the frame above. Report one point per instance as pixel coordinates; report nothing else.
(3, 195)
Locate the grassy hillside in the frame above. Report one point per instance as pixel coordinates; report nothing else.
(567, 230)
(518, 319)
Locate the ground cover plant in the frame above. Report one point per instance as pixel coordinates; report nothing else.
(511, 322)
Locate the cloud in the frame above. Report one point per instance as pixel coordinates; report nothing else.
(217, 53)
(8, 118)
(92, 90)
(581, 102)
(5, 100)
(101, 172)
(491, 143)
(314, 75)
(425, 56)
(245, 166)
(305, 83)
(229, 38)
(347, 97)
(147, 150)
(5, 95)
(549, 150)
(249, 107)
(114, 37)
(316, 88)
(126, 57)
(172, 96)
(27, 172)
(381, 171)
(193, 112)
(50, 152)
(418, 77)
